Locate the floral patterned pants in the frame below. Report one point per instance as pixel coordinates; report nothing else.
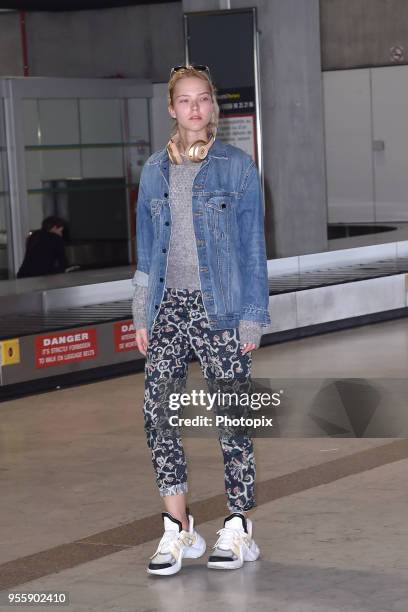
(180, 331)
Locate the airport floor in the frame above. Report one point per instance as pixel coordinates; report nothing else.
(80, 512)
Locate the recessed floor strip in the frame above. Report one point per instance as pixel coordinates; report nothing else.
(65, 556)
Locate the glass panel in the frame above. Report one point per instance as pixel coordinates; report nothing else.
(137, 126)
(61, 164)
(46, 165)
(95, 240)
(31, 123)
(59, 121)
(138, 120)
(83, 158)
(35, 210)
(98, 163)
(33, 161)
(100, 121)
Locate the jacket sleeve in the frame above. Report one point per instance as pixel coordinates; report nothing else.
(254, 269)
(144, 236)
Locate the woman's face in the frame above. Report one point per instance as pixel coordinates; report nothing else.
(192, 104)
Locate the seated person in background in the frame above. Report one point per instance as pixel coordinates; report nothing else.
(45, 251)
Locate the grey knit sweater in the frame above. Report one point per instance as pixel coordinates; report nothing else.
(182, 263)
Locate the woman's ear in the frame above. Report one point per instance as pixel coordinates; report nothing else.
(171, 112)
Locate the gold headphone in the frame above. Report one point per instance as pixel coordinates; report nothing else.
(196, 152)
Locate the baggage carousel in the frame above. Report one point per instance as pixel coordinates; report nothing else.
(73, 328)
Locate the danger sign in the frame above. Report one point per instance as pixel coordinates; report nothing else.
(124, 336)
(65, 347)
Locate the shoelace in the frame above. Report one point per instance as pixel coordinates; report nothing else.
(172, 541)
(229, 539)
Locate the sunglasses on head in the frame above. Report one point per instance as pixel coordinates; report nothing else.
(199, 67)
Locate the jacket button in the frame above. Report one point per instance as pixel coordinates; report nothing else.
(166, 195)
(156, 306)
(164, 250)
(223, 205)
(167, 223)
(161, 279)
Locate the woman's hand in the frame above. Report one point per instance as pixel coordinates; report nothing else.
(141, 340)
(248, 346)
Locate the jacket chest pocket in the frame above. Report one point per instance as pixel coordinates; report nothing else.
(218, 214)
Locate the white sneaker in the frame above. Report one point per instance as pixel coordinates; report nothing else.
(234, 545)
(175, 545)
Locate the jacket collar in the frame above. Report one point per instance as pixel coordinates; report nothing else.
(217, 149)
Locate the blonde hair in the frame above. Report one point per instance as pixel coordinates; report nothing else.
(190, 71)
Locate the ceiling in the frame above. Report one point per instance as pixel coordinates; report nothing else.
(71, 5)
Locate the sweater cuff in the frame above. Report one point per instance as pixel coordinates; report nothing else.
(139, 307)
(250, 332)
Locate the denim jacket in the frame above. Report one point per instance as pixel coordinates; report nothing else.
(228, 219)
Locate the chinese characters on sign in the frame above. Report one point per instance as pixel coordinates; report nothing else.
(237, 124)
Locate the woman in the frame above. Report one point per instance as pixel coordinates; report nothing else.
(201, 289)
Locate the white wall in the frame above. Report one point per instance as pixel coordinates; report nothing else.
(366, 141)
(348, 146)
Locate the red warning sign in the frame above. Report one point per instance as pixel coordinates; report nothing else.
(65, 347)
(124, 336)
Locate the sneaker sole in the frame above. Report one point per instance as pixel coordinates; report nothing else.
(228, 565)
(251, 555)
(193, 552)
(167, 571)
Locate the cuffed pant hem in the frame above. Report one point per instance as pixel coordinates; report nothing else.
(248, 506)
(176, 489)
